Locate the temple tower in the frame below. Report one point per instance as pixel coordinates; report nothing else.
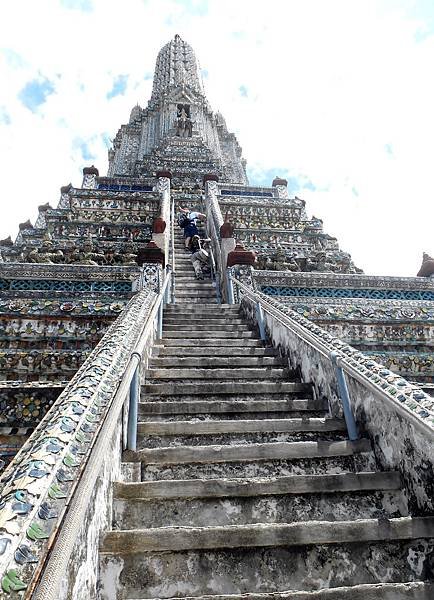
(178, 129)
(228, 435)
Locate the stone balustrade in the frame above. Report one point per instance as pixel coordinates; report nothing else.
(39, 484)
(397, 416)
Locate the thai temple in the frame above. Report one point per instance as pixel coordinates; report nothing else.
(264, 431)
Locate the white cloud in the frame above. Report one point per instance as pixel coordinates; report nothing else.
(339, 93)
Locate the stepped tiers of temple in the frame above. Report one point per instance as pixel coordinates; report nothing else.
(246, 481)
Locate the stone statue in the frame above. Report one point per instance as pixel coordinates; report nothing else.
(128, 258)
(45, 254)
(278, 261)
(184, 125)
(88, 257)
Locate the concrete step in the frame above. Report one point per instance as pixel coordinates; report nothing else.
(251, 453)
(224, 309)
(413, 590)
(196, 285)
(198, 319)
(292, 398)
(182, 283)
(266, 468)
(200, 311)
(183, 261)
(204, 326)
(206, 342)
(241, 416)
(188, 299)
(194, 293)
(236, 335)
(240, 432)
(190, 283)
(315, 424)
(325, 505)
(215, 361)
(215, 351)
(203, 389)
(243, 438)
(222, 408)
(190, 278)
(157, 562)
(172, 539)
(272, 486)
(218, 374)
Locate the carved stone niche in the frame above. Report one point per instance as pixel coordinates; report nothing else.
(241, 256)
(151, 254)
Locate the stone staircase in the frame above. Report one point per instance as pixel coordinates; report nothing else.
(243, 487)
(188, 288)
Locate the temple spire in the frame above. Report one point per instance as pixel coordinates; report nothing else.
(177, 131)
(176, 66)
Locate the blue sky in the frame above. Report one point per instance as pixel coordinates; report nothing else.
(335, 96)
(35, 93)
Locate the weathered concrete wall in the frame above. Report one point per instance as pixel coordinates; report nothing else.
(397, 442)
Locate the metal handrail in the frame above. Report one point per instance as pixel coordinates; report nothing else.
(137, 354)
(335, 356)
(172, 247)
(215, 275)
(211, 230)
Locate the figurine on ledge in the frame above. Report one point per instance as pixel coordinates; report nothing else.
(184, 125)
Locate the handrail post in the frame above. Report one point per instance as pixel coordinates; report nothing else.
(218, 288)
(260, 318)
(160, 321)
(230, 288)
(172, 235)
(167, 290)
(133, 410)
(345, 398)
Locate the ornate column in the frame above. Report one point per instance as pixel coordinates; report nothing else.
(64, 201)
(281, 186)
(89, 178)
(40, 221)
(240, 266)
(161, 233)
(211, 191)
